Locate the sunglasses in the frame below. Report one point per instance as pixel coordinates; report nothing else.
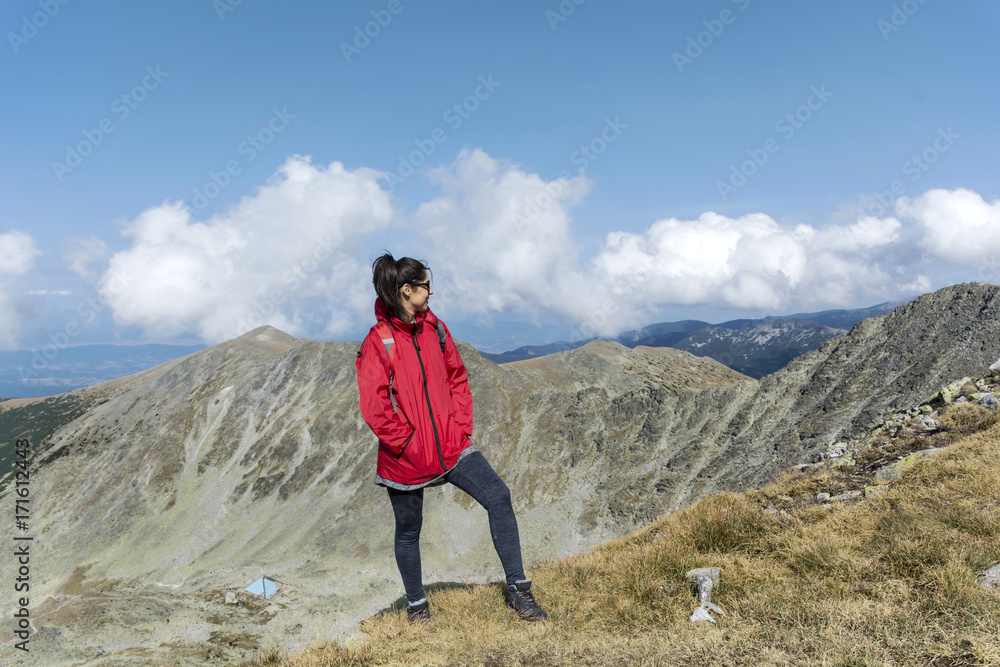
(426, 285)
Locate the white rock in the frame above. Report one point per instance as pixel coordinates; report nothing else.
(700, 614)
(836, 450)
(991, 578)
(704, 579)
(711, 572)
(928, 424)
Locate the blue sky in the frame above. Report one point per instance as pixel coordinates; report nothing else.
(180, 172)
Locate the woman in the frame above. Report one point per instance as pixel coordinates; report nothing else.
(415, 397)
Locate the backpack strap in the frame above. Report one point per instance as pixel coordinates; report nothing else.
(384, 332)
(441, 334)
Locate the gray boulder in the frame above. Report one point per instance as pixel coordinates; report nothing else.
(988, 400)
(990, 579)
(928, 424)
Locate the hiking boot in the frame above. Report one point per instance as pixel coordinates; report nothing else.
(520, 599)
(418, 612)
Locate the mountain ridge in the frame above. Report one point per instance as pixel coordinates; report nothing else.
(252, 455)
(730, 337)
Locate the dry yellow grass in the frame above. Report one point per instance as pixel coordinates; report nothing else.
(890, 580)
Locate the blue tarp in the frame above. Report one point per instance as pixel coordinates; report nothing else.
(264, 586)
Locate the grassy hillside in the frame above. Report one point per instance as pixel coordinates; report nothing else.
(34, 420)
(889, 579)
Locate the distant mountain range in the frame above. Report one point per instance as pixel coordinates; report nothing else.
(54, 370)
(754, 347)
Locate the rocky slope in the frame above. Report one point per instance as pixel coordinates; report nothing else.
(759, 349)
(251, 458)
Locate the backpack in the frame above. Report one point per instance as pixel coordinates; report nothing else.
(384, 332)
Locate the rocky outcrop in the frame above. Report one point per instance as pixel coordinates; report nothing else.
(870, 465)
(884, 364)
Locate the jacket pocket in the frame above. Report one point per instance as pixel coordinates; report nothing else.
(405, 445)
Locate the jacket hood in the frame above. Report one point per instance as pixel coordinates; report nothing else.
(382, 314)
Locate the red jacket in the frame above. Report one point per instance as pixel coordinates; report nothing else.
(434, 422)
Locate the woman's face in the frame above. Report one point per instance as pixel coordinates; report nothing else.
(414, 296)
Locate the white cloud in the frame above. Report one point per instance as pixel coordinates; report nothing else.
(501, 237)
(957, 225)
(282, 257)
(498, 252)
(17, 256)
(85, 257)
(866, 233)
(17, 253)
(750, 262)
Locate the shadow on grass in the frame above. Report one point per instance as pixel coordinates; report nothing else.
(400, 603)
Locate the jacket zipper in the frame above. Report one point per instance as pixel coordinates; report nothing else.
(427, 395)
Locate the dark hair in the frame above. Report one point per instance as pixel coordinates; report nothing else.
(389, 274)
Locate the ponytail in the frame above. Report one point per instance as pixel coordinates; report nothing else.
(389, 274)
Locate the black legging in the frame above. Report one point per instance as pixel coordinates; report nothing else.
(475, 476)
